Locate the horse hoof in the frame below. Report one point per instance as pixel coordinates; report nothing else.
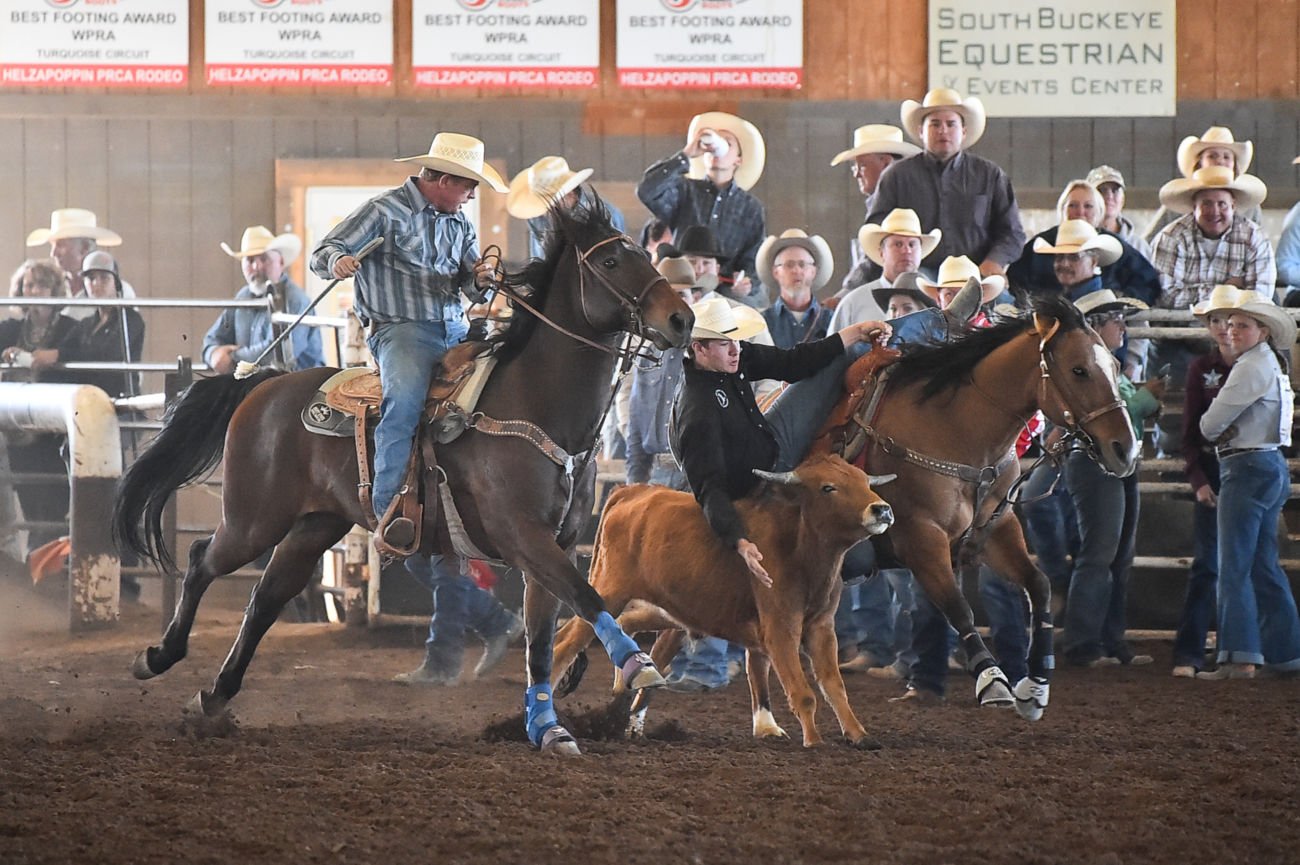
(1031, 698)
(637, 673)
(205, 705)
(866, 743)
(636, 725)
(560, 742)
(993, 690)
(140, 666)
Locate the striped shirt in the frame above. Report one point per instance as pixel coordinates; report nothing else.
(1188, 274)
(417, 274)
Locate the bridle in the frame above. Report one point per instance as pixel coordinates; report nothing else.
(1075, 428)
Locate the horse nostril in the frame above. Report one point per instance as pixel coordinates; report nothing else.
(681, 321)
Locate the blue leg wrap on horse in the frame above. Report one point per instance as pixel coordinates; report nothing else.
(618, 644)
(539, 712)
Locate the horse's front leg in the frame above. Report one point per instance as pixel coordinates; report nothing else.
(1007, 555)
(926, 547)
(544, 728)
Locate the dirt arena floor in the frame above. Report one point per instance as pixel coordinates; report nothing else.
(332, 762)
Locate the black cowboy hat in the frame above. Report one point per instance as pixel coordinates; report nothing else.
(699, 240)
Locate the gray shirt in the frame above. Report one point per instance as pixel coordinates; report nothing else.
(1257, 399)
(857, 306)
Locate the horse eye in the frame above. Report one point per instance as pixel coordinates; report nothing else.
(1080, 372)
(828, 488)
(610, 262)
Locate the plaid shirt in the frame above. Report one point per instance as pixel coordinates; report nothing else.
(416, 275)
(735, 216)
(1188, 275)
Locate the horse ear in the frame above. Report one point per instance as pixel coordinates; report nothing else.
(1046, 327)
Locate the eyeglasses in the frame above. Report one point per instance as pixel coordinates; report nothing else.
(791, 265)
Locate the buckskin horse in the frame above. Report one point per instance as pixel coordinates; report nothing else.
(288, 488)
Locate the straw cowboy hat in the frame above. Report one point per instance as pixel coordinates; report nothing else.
(73, 222)
(753, 152)
(547, 180)
(907, 283)
(1281, 326)
(1221, 297)
(678, 272)
(1078, 235)
(877, 138)
(900, 220)
(955, 272)
(971, 111)
(1248, 190)
(258, 239)
(715, 318)
(815, 245)
(1191, 148)
(1105, 300)
(461, 156)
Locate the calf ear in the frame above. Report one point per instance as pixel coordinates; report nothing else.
(880, 480)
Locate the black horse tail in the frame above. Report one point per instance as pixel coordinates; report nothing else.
(188, 447)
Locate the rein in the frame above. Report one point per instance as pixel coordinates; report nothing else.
(1074, 427)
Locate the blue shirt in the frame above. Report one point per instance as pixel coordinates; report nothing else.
(787, 332)
(417, 274)
(538, 227)
(252, 331)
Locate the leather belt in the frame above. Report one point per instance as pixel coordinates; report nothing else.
(1224, 453)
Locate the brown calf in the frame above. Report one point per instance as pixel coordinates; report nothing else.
(659, 567)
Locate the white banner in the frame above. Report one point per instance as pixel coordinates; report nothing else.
(1069, 58)
(505, 43)
(710, 43)
(298, 43)
(93, 43)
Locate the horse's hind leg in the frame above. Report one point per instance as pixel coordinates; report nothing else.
(1007, 555)
(286, 575)
(667, 644)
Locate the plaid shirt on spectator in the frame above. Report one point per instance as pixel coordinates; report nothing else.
(1188, 274)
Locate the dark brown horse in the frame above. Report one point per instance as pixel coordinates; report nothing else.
(296, 491)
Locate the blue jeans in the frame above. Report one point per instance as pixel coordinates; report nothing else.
(877, 617)
(704, 660)
(1202, 579)
(1004, 603)
(1107, 513)
(458, 602)
(1257, 612)
(406, 353)
(1046, 523)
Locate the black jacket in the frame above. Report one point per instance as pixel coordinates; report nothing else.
(720, 436)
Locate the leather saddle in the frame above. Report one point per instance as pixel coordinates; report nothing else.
(840, 434)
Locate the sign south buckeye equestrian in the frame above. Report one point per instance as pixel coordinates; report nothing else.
(505, 43)
(299, 43)
(90, 43)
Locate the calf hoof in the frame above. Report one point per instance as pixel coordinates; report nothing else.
(140, 666)
(637, 673)
(560, 742)
(1032, 695)
(765, 726)
(866, 743)
(993, 690)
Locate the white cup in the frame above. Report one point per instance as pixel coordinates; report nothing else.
(714, 143)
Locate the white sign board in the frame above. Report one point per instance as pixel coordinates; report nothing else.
(298, 43)
(1068, 58)
(505, 43)
(76, 43)
(710, 43)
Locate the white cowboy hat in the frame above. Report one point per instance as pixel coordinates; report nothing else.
(1221, 297)
(955, 272)
(73, 222)
(1078, 235)
(461, 156)
(258, 239)
(547, 180)
(678, 272)
(900, 220)
(753, 152)
(971, 111)
(1106, 300)
(1191, 148)
(877, 138)
(1281, 326)
(716, 318)
(815, 245)
(1248, 190)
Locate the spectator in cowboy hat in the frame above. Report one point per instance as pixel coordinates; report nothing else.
(699, 245)
(875, 147)
(707, 183)
(1215, 147)
(1288, 254)
(897, 246)
(549, 181)
(1212, 243)
(73, 234)
(1109, 183)
(954, 289)
(243, 334)
(798, 265)
(966, 196)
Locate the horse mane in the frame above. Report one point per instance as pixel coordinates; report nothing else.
(581, 227)
(946, 367)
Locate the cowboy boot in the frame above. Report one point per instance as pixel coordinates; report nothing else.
(967, 302)
(441, 666)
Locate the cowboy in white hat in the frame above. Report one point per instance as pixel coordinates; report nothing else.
(718, 433)
(1212, 243)
(73, 234)
(708, 183)
(243, 334)
(1216, 147)
(983, 222)
(897, 245)
(550, 182)
(1078, 254)
(875, 147)
(1288, 253)
(798, 266)
(960, 289)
